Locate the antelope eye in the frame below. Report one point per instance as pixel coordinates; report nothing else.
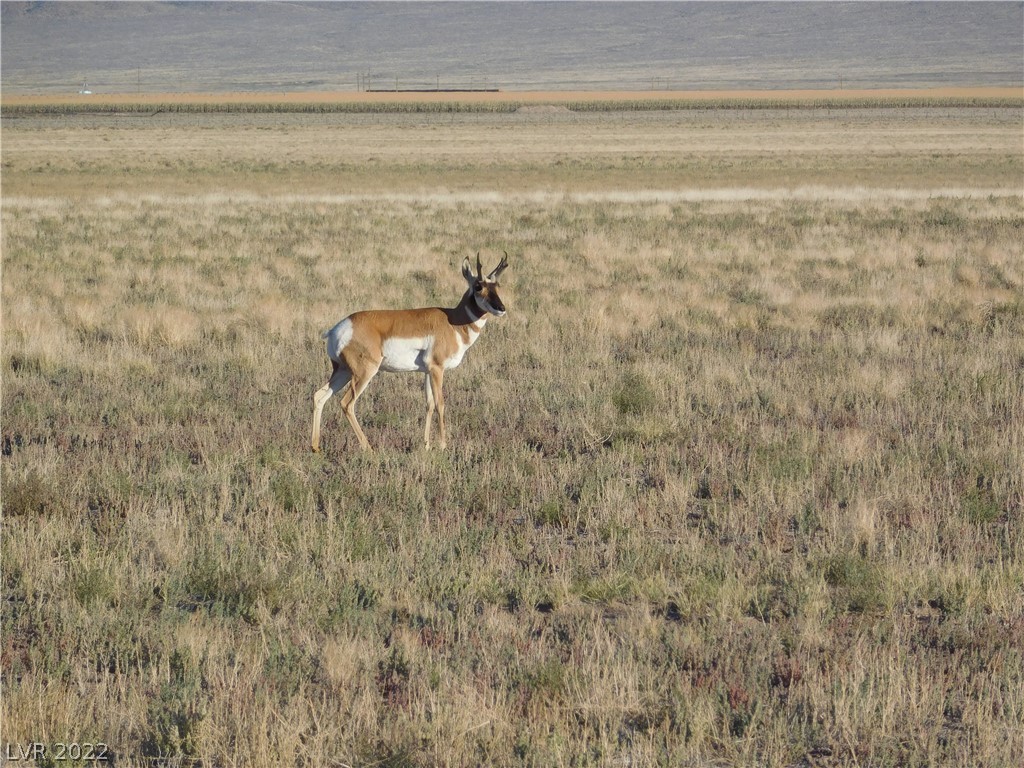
(478, 286)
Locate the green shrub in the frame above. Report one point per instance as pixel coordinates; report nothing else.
(634, 395)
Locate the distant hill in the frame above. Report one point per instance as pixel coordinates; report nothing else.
(54, 47)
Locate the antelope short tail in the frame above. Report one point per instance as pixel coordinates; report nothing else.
(338, 338)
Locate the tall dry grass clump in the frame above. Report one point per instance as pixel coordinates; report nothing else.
(735, 481)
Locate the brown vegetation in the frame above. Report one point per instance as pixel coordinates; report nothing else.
(735, 481)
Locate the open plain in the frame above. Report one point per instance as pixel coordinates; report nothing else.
(735, 482)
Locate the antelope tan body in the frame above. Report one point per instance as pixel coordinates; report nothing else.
(429, 340)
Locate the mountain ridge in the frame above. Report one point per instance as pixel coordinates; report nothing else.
(275, 46)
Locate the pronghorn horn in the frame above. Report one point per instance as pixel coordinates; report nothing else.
(479, 269)
(502, 265)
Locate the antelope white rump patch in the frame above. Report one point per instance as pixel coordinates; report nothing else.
(338, 338)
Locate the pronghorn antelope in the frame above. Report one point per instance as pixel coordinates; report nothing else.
(428, 340)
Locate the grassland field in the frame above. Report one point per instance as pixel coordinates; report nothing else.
(736, 481)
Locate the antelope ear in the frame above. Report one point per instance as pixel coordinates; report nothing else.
(467, 271)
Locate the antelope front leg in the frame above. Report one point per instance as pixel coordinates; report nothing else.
(430, 410)
(436, 382)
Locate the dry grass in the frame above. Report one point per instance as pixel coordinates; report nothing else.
(560, 153)
(736, 481)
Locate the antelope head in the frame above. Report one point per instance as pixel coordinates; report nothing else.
(485, 289)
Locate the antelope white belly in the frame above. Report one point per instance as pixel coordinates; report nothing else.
(401, 355)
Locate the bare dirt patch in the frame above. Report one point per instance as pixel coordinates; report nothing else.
(544, 109)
